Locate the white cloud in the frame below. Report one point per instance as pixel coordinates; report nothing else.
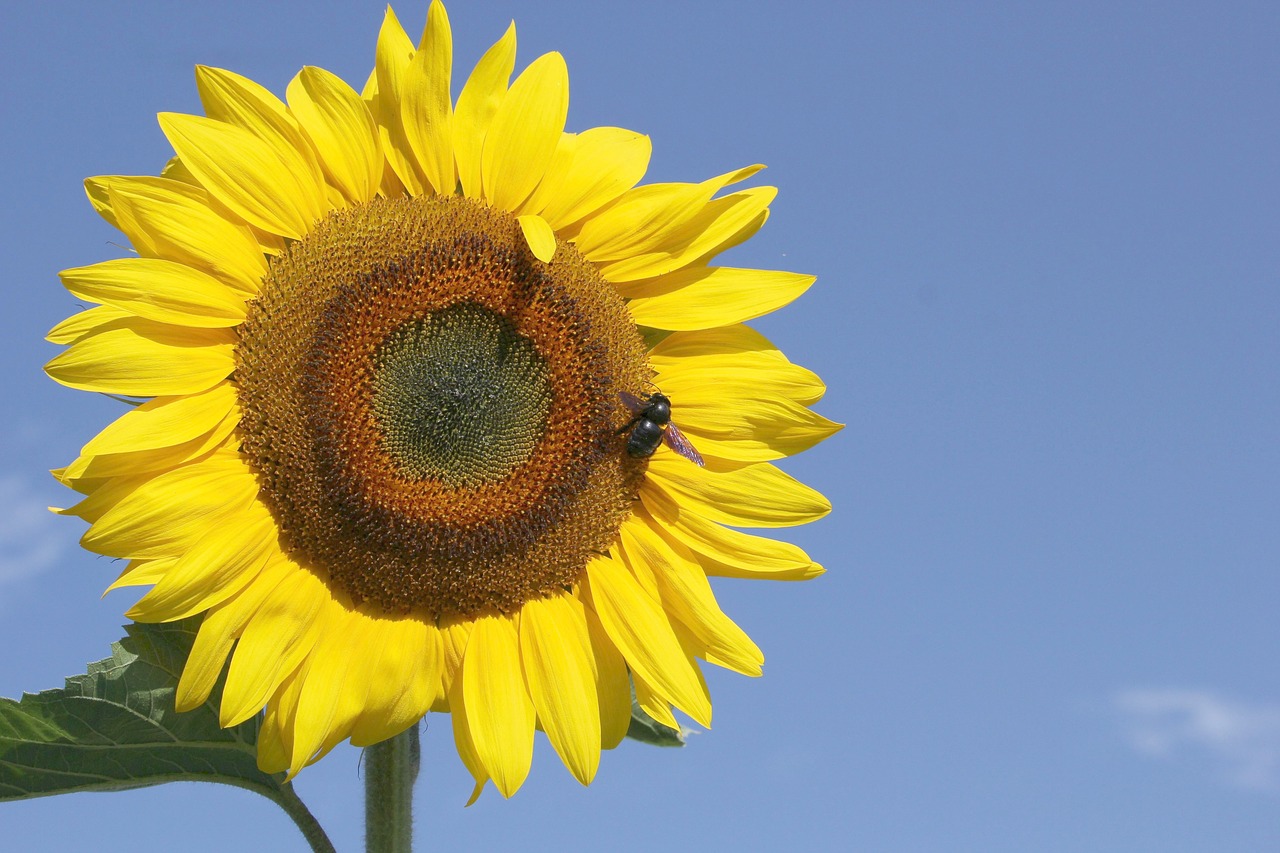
(30, 538)
(1241, 739)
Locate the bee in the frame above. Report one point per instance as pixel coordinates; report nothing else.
(651, 425)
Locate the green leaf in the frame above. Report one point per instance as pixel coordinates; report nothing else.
(115, 728)
(648, 730)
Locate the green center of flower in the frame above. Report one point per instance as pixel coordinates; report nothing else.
(460, 396)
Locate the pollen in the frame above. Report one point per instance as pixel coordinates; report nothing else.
(432, 413)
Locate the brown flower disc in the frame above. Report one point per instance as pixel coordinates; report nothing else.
(433, 413)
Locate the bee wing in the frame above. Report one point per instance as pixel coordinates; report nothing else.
(634, 403)
(676, 441)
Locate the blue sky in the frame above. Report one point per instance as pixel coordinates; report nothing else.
(1045, 236)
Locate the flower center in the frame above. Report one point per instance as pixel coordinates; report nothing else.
(432, 413)
(460, 396)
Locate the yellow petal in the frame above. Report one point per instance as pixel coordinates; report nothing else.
(737, 354)
(175, 221)
(271, 244)
(144, 359)
(477, 105)
(720, 224)
(78, 325)
(725, 552)
(168, 514)
(555, 650)
(275, 738)
(499, 712)
(280, 635)
(700, 375)
(165, 421)
(100, 199)
(174, 170)
(693, 649)
(639, 218)
(746, 415)
(653, 703)
(648, 216)
(164, 291)
(758, 495)
(141, 573)
(540, 237)
(687, 595)
(613, 688)
(643, 571)
(455, 634)
(332, 689)
(642, 631)
(342, 130)
(726, 340)
(462, 739)
(237, 100)
(706, 297)
(220, 437)
(785, 390)
(725, 223)
(394, 54)
(219, 629)
(403, 682)
(217, 566)
(246, 174)
(524, 133)
(426, 111)
(771, 429)
(102, 495)
(272, 754)
(588, 171)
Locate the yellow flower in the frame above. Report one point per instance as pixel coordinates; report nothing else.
(400, 446)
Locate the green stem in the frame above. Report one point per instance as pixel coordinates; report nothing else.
(391, 768)
(304, 820)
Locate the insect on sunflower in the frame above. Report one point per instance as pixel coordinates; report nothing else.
(391, 349)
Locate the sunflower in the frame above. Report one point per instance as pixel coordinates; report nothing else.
(396, 437)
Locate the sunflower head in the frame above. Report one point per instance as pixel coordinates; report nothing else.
(390, 348)
(431, 411)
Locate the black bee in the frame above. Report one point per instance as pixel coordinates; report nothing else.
(652, 425)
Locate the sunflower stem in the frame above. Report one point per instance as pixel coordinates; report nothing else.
(304, 820)
(391, 768)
